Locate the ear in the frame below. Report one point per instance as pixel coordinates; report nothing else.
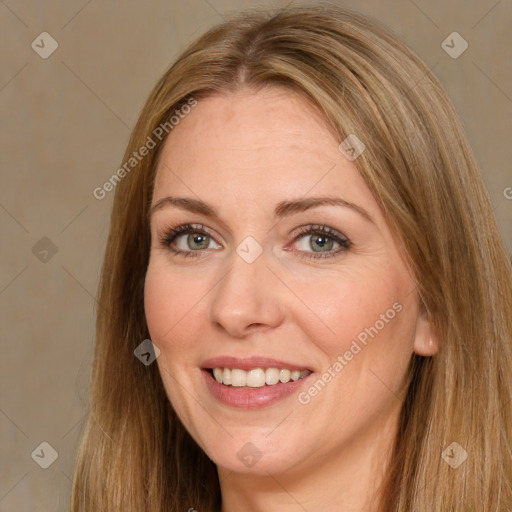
(426, 342)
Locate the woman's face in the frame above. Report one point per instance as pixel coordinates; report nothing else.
(275, 287)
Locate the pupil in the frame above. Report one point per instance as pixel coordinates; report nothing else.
(320, 240)
(197, 239)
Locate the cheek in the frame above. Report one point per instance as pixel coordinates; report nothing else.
(170, 302)
(169, 307)
(357, 306)
(365, 351)
(371, 317)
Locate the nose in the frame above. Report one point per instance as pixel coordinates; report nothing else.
(247, 298)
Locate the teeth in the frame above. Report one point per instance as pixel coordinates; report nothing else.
(294, 375)
(271, 376)
(238, 377)
(217, 373)
(257, 377)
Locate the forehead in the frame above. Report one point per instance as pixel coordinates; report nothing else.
(263, 145)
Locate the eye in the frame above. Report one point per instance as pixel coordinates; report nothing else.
(322, 241)
(189, 240)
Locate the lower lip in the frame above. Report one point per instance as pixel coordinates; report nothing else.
(251, 398)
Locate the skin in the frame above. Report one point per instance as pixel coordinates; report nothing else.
(243, 153)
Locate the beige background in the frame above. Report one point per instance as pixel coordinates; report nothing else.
(65, 122)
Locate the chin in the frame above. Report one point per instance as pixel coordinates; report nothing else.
(257, 454)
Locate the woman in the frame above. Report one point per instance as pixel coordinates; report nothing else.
(305, 238)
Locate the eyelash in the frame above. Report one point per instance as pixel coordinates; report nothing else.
(172, 233)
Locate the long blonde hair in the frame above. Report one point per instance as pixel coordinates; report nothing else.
(135, 454)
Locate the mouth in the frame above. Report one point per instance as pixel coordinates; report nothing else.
(254, 382)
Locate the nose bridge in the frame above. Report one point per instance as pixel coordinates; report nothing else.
(246, 294)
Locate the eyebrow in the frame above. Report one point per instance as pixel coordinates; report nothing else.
(282, 209)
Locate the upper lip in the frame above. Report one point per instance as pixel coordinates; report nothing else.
(249, 363)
